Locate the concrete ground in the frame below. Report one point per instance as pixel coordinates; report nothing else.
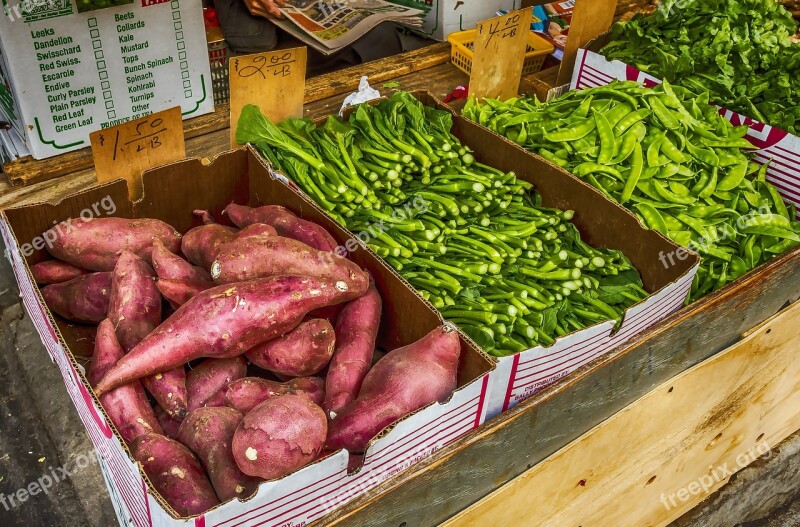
(42, 439)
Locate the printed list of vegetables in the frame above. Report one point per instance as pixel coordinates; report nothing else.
(669, 157)
(473, 240)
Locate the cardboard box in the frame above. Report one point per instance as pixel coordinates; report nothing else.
(770, 143)
(602, 223)
(72, 69)
(170, 194)
(447, 16)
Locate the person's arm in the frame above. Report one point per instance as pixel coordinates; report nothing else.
(265, 8)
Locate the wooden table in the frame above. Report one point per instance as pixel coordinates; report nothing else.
(563, 444)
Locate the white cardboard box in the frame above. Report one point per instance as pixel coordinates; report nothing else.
(449, 16)
(71, 72)
(770, 143)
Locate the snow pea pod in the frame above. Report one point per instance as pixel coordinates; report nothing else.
(573, 133)
(652, 218)
(671, 196)
(606, 136)
(734, 177)
(637, 164)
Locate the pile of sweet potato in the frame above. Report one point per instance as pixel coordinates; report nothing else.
(228, 356)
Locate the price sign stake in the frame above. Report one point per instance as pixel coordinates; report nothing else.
(499, 54)
(128, 149)
(273, 81)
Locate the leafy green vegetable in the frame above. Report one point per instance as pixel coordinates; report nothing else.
(739, 50)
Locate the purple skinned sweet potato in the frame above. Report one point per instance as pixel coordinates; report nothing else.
(135, 306)
(208, 432)
(82, 299)
(169, 265)
(97, 244)
(169, 389)
(304, 351)
(126, 406)
(170, 425)
(403, 381)
(207, 379)
(201, 244)
(262, 256)
(356, 331)
(248, 392)
(55, 272)
(279, 436)
(228, 320)
(175, 473)
(285, 222)
(178, 292)
(256, 229)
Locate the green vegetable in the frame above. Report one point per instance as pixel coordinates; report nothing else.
(678, 166)
(473, 240)
(740, 51)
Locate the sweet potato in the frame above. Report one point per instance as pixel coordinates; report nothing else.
(285, 223)
(169, 265)
(247, 393)
(201, 244)
(279, 436)
(97, 244)
(228, 320)
(170, 425)
(403, 381)
(135, 306)
(169, 389)
(208, 432)
(262, 256)
(175, 473)
(178, 292)
(256, 229)
(356, 331)
(208, 378)
(126, 406)
(304, 351)
(55, 272)
(82, 299)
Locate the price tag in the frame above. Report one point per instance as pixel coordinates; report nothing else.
(128, 149)
(498, 55)
(273, 81)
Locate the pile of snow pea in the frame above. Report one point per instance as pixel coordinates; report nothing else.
(473, 240)
(668, 156)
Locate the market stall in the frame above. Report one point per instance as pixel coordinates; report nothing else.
(540, 426)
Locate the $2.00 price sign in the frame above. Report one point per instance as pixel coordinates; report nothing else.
(499, 54)
(128, 149)
(274, 81)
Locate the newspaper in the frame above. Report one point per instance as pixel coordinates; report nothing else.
(328, 26)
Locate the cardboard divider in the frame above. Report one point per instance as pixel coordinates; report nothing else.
(171, 194)
(601, 223)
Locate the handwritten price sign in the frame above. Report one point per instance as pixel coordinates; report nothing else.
(128, 149)
(273, 81)
(499, 54)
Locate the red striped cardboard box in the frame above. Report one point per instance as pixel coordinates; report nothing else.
(171, 193)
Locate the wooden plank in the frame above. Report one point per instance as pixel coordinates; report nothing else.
(669, 450)
(274, 81)
(514, 442)
(498, 55)
(26, 171)
(590, 18)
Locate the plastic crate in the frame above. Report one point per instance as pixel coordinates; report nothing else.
(218, 58)
(463, 42)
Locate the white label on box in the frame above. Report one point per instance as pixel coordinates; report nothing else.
(772, 144)
(75, 68)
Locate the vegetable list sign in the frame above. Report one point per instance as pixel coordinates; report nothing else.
(74, 68)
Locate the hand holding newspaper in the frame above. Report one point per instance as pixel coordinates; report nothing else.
(330, 25)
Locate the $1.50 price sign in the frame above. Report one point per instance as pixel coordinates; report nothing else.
(273, 81)
(499, 54)
(128, 149)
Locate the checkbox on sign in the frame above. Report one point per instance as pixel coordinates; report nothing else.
(105, 85)
(112, 114)
(92, 22)
(109, 105)
(103, 74)
(101, 65)
(178, 25)
(181, 55)
(187, 94)
(94, 33)
(98, 54)
(185, 74)
(107, 94)
(187, 84)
